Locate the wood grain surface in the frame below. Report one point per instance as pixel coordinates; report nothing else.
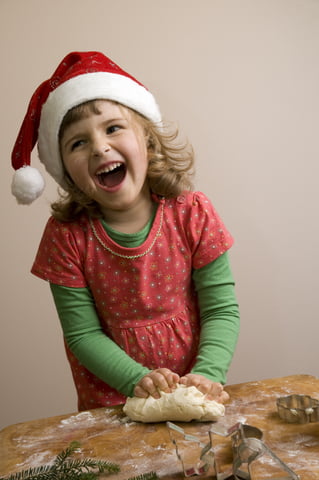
(139, 448)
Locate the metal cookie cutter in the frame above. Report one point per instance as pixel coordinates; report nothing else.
(246, 450)
(298, 409)
(247, 447)
(190, 467)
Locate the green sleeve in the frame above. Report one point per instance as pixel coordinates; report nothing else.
(219, 319)
(92, 347)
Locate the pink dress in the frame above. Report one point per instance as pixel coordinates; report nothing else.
(144, 295)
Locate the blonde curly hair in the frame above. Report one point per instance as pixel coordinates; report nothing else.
(170, 168)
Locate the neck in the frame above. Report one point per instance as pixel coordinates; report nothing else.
(131, 220)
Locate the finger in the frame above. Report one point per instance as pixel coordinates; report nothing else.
(164, 379)
(224, 397)
(184, 381)
(213, 390)
(159, 379)
(140, 392)
(216, 389)
(146, 387)
(218, 394)
(172, 379)
(198, 381)
(160, 382)
(151, 385)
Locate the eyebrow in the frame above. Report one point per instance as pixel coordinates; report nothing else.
(64, 144)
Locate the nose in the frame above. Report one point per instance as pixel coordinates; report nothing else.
(100, 146)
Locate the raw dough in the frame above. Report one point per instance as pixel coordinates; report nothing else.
(183, 404)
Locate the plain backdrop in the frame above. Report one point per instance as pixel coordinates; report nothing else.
(240, 78)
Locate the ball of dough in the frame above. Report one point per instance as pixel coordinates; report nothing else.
(183, 404)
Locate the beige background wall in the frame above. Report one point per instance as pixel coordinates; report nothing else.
(241, 79)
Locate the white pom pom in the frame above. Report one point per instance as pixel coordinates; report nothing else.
(27, 185)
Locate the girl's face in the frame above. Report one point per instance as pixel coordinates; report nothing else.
(106, 156)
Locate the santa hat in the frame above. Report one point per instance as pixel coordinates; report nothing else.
(80, 77)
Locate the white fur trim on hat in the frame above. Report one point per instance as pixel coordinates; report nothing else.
(80, 89)
(27, 185)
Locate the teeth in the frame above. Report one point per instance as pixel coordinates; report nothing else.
(109, 168)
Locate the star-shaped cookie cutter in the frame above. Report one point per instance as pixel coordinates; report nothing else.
(298, 408)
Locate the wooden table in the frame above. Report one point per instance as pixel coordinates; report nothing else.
(140, 448)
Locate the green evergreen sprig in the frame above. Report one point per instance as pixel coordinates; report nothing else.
(66, 468)
(145, 476)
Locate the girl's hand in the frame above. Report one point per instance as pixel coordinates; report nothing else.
(159, 379)
(213, 390)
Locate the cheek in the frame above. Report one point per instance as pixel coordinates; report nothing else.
(142, 166)
(68, 165)
(78, 173)
(139, 143)
(71, 164)
(143, 156)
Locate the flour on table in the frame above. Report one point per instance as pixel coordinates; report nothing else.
(183, 404)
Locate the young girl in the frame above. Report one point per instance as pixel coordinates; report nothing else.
(137, 262)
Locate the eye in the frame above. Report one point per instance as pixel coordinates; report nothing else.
(76, 144)
(112, 129)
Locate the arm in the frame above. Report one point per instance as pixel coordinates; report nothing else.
(219, 322)
(86, 339)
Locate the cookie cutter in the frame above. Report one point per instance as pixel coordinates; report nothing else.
(189, 468)
(247, 447)
(298, 408)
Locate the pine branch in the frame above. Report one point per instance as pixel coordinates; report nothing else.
(146, 476)
(62, 456)
(87, 464)
(66, 468)
(37, 473)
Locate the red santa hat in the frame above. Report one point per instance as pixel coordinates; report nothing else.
(80, 77)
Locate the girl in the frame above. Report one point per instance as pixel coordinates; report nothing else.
(137, 262)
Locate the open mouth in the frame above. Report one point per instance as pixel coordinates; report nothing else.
(112, 175)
